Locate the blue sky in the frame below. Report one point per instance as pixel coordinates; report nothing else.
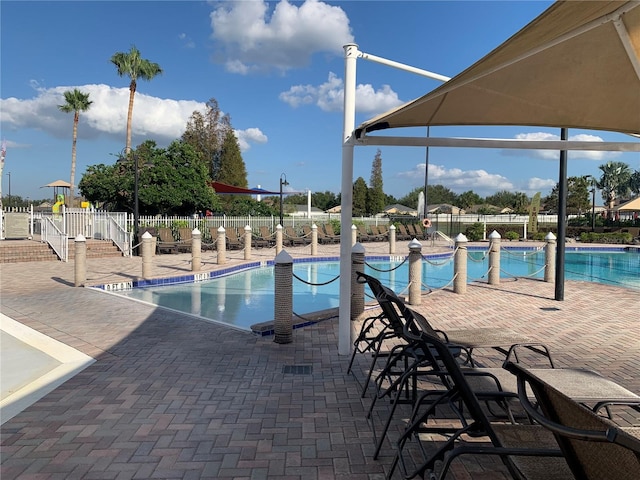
(276, 68)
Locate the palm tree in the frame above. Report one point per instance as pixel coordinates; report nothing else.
(614, 182)
(76, 102)
(132, 65)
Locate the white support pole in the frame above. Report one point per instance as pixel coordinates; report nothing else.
(344, 318)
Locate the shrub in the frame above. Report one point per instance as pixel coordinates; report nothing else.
(511, 235)
(474, 232)
(591, 237)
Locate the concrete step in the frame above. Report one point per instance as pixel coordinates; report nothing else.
(14, 251)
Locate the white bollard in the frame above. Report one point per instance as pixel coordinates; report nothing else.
(415, 272)
(357, 288)
(80, 261)
(392, 240)
(221, 246)
(247, 242)
(147, 255)
(460, 264)
(283, 298)
(494, 258)
(278, 239)
(196, 250)
(354, 235)
(550, 258)
(314, 239)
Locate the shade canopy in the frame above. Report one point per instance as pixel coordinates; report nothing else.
(58, 184)
(577, 65)
(223, 188)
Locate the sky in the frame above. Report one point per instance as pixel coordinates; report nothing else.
(276, 68)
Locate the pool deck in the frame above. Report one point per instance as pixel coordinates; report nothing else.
(157, 394)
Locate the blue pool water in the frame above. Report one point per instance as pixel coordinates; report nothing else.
(246, 298)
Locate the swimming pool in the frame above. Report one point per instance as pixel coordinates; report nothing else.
(245, 298)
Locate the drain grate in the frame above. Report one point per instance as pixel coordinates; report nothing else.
(297, 369)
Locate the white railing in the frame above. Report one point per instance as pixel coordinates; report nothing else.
(118, 235)
(52, 235)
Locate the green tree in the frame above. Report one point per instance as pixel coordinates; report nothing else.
(577, 196)
(100, 185)
(634, 182)
(74, 101)
(135, 67)
(468, 199)
(172, 181)
(232, 167)
(502, 199)
(360, 197)
(375, 193)
(206, 132)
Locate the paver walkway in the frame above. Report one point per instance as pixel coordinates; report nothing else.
(171, 397)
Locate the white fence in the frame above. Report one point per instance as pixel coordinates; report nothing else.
(118, 226)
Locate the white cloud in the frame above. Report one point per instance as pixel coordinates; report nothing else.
(554, 154)
(457, 180)
(159, 119)
(536, 184)
(249, 136)
(250, 38)
(328, 96)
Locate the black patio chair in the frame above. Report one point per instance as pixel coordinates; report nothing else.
(593, 446)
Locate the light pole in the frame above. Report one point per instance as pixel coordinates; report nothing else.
(9, 175)
(593, 202)
(128, 153)
(283, 182)
(136, 212)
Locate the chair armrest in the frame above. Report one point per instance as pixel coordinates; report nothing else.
(540, 348)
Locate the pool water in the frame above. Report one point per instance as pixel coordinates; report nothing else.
(246, 298)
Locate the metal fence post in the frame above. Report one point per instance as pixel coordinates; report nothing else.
(494, 258)
(460, 264)
(550, 258)
(283, 298)
(415, 272)
(80, 261)
(357, 288)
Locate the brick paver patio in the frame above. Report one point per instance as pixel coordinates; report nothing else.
(172, 397)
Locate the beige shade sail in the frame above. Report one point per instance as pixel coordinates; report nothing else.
(577, 65)
(58, 183)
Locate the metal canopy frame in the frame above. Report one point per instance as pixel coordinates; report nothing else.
(358, 137)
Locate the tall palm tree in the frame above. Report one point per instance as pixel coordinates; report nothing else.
(76, 102)
(614, 182)
(132, 65)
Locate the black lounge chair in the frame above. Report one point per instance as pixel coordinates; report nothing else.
(401, 233)
(594, 447)
(266, 236)
(166, 242)
(185, 238)
(528, 451)
(330, 232)
(291, 238)
(233, 241)
(363, 235)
